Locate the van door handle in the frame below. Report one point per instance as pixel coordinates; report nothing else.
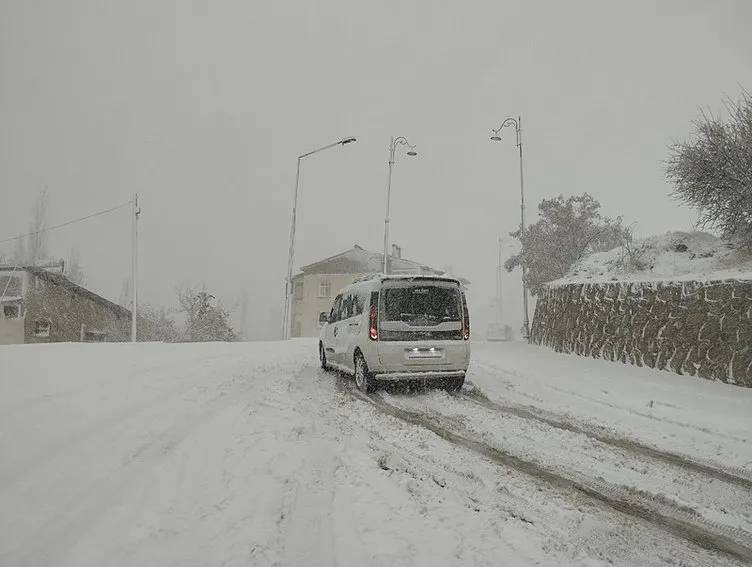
(354, 324)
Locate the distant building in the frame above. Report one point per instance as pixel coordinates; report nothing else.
(318, 283)
(39, 306)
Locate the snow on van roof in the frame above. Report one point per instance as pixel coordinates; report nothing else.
(417, 277)
(382, 277)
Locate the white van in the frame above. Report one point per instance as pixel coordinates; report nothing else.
(401, 327)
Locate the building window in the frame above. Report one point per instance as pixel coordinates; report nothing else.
(12, 285)
(297, 290)
(41, 328)
(12, 310)
(325, 289)
(94, 337)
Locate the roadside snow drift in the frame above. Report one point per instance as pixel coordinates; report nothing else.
(673, 256)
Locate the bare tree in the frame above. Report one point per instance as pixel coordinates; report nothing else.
(19, 251)
(36, 247)
(125, 294)
(73, 271)
(713, 172)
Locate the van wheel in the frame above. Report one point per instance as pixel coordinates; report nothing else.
(363, 378)
(322, 357)
(454, 384)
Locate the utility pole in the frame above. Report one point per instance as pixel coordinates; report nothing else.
(500, 312)
(134, 265)
(290, 258)
(526, 321)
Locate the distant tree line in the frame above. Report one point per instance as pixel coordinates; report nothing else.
(203, 318)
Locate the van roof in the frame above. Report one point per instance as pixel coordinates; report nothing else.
(387, 277)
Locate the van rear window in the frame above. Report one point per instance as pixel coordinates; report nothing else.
(422, 305)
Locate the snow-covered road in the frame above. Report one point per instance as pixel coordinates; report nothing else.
(249, 454)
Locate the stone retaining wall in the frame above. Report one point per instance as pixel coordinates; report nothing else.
(697, 328)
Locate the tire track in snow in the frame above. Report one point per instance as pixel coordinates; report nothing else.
(732, 476)
(708, 535)
(631, 411)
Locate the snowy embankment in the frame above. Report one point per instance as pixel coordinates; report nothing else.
(707, 421)
(673, 256)
(248, 454)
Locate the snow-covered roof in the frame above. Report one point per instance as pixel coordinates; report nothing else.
(358, 260)
(673, 256)
(61, 280)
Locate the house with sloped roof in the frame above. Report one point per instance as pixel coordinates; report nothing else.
(318, 283)
(41, 306)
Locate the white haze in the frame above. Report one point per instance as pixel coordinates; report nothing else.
(202, 107)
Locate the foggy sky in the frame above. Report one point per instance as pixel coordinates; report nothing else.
(202, 107)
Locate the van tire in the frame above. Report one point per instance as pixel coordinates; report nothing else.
(363, 378)
(322, 357)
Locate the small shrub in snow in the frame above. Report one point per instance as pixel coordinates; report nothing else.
(205, 317)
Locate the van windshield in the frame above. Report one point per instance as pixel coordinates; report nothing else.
(422, 304)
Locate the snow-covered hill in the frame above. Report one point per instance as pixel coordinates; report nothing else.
(673, 256)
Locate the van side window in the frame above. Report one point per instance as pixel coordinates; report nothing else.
(343, 308)
(347, 307)
(358, 303)
(335, 309)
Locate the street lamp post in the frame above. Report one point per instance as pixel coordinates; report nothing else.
(291, 251)
(134, 267)
(499, 268)
(399, 141)
(496, 137)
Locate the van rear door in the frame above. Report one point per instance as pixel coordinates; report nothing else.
(420, 323)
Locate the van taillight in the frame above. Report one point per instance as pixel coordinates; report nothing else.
(465, 319)
(373, 329)
(373, 317)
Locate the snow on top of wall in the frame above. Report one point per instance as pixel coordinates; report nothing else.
(673, 256)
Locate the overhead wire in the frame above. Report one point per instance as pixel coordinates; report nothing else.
(61, 225)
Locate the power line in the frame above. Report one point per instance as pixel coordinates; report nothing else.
(66, 223)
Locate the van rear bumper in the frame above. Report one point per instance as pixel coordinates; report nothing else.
(420, 375)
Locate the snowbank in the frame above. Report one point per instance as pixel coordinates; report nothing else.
(674, 256)
(708, 421)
